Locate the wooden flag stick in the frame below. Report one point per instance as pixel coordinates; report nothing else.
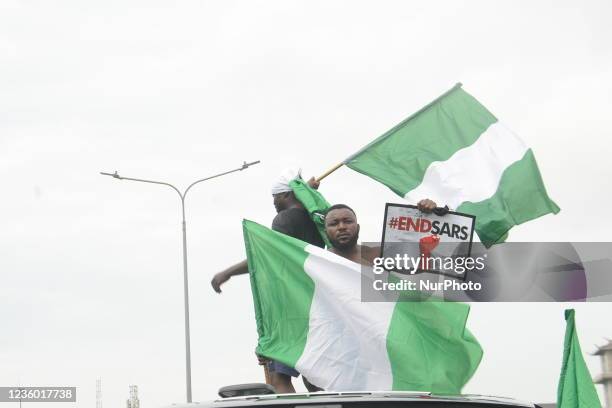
(330, 171)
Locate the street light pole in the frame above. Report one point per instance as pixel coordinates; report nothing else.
(182, 196)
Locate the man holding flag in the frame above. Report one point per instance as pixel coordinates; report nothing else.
(291, 195)
(293, 220)
(336, 340)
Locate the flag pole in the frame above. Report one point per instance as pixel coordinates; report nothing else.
(330, 171)
(267, 374)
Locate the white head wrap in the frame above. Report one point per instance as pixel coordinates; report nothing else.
(282, 183)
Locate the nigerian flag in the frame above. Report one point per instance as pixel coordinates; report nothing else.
(576, 388)
(314, 202)
(310, 316)
(455, 152)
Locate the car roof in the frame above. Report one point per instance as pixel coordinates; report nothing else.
(324, 397)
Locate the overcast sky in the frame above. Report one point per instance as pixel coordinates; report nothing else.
(176, 91)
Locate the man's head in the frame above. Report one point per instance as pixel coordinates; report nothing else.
(282, 191)
(284, 200)
(341, 226)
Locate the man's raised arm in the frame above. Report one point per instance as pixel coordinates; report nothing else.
(220, 278)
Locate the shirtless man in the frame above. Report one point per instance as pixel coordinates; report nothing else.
(343, 232)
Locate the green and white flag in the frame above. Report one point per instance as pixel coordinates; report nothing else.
(455, 152)
(576, 388)
(314, 202)
(310, 316)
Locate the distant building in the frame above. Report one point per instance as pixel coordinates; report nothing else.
(133, 402)
(605, 378)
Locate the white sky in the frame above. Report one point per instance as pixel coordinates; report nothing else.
(91, 267)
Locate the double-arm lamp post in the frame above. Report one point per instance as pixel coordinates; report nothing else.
(185, 280)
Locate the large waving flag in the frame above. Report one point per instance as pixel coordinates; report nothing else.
(576, 388)
(457, 153)
(310, 316)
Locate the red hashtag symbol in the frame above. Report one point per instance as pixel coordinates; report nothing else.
(393, 222)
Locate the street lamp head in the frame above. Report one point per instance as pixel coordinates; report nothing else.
(246, 165)
(115, 174)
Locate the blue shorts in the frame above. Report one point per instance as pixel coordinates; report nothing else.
(278, 367)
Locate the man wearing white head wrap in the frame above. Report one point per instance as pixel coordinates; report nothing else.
(282, 183)
(293, 220)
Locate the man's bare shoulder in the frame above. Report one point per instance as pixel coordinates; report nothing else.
(368, 253)
(360, 254)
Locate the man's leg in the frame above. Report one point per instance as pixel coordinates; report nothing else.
(280, 377)
(310, 387)
(281, 383)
